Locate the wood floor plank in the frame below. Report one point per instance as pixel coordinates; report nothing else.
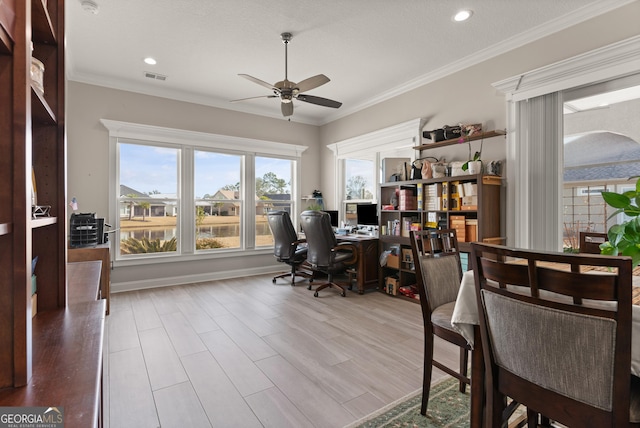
(163, 364)
(220, 399)
(273, 355)
(364, 405)
(184, 338)
(200, 321)
(122, 331)
(179, 407)
(276, 411)
(253, 345)
(144, 311)
(318, 406)
(244, 374)
(131, 403)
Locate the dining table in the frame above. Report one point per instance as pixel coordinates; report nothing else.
(466, 320)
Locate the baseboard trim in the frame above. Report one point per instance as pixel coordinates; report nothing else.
(120, 287)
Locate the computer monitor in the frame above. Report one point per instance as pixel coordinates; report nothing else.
(367, 214)
(334, 217)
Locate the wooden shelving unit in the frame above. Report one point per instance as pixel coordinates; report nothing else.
(482, 220)
(32, 136)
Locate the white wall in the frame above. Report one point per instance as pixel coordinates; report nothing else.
(88, 176)
(466, 96)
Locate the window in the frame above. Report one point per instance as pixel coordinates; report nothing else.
(217, 178)
(359, 179)
(359, 165)
(273, 192)
(148, 199)
(187, 194)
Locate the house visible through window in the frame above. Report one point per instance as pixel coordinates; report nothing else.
(217, 178)
(181, 193)
(148, 199)
(273, 192)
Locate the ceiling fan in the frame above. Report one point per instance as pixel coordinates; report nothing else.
(287, 90)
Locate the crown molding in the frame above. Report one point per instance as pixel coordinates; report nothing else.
(615, 60)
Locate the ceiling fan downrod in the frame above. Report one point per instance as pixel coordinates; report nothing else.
(286, 38)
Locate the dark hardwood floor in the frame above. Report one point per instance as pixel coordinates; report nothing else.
(249, 353)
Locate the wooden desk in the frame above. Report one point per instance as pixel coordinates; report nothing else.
(67, 353)
(367, 264)
(99, 252)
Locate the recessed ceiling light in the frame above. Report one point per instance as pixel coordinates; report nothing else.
(150, 61)
(463, 15)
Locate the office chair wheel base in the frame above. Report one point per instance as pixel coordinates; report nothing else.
(314, 294)
(343, 294)
(309, 287)
(273, 280)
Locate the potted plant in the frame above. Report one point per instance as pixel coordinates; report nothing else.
(624, 238)
(474, 164)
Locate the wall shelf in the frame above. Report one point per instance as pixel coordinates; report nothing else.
(480, 136)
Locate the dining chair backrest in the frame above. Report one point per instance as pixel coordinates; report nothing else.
(438, 266)
(590, 242)
(569, 361)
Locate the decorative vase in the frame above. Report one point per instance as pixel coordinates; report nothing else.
(475, 167)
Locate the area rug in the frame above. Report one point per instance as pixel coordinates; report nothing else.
(448, 407)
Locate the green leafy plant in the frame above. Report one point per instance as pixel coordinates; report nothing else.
(145, 245)
(476, 155)
(624, 238)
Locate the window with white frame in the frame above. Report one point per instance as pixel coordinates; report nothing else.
(359, 163)
(181, 193)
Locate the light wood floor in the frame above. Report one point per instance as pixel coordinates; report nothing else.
(249, 353)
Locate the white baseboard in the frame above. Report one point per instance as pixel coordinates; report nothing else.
(119, 287)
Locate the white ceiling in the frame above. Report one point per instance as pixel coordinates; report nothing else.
(370, 49)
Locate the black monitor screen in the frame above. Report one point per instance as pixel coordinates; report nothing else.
(334, 217)
(367, 214)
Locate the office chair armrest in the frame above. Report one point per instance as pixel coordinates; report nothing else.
(343, 246)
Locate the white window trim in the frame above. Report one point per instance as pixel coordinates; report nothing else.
(609, 62)
(191, 140)
(393, 141)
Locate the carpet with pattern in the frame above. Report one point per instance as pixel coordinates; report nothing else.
(448, 408)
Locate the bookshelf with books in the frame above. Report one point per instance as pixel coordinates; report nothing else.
(468, 203)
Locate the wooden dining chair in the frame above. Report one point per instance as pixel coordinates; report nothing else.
(438, 276)
(568, 361)
(590, 242)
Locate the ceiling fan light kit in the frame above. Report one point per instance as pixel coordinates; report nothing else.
(288, 91)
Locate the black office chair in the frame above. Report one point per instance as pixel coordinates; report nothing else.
(324, 253)
(287, 247)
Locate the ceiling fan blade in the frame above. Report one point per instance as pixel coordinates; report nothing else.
(253, 98)
(259, 82)
(312, 83)
(287, 109)
(325, 102)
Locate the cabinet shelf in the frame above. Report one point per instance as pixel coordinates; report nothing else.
(41, 111)
(43, 31)
(6, 228)
(43, 221)
(481, 135)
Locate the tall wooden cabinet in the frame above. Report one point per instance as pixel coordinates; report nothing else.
(32, 143)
